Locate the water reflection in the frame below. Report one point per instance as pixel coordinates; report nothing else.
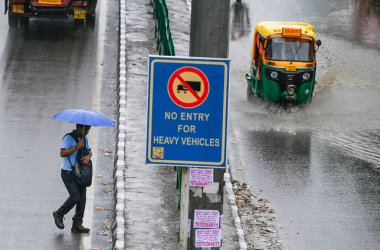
(348, 188)
(362, 145)
(366, 22)
(241, 24)
(308, 179)
(284, 157)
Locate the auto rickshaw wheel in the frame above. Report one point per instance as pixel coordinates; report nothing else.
(90, 21)
(12, 21)
(250, 94)
(290, 105)
(78, 23)
(24, 23)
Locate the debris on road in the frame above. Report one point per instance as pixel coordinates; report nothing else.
(257, 219)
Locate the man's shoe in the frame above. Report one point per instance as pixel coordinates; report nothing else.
(80, 229)
(58, 219)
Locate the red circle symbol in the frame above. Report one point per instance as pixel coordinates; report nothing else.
(188, 87)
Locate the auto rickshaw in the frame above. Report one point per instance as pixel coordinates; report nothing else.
(283, 64)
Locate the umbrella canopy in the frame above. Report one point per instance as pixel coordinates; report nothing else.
(85, 117)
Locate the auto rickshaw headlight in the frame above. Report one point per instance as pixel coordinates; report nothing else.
(306, 76)
(291, 90)
(274, 74)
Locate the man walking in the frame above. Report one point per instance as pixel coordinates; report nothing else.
(71, 144)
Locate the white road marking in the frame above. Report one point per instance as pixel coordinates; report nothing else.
(95, 106)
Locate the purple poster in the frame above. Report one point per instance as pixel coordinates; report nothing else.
(206, 218)
(208, 237)
(200, 177)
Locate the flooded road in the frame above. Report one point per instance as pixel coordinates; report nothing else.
(319, 165)
(51, 67)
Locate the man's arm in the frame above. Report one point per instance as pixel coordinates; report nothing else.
(66, 152)
(86, 158)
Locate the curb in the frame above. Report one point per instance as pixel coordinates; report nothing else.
(118, 227)
(232, 200)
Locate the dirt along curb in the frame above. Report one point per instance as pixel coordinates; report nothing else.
(257, 219)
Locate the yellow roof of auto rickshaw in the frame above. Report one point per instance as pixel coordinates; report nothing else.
(268, 28)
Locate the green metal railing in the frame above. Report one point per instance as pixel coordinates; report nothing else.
(163, 35)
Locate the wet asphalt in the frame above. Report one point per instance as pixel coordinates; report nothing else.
(318, 166)
(43, 71)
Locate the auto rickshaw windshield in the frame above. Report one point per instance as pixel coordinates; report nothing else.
(290, 49)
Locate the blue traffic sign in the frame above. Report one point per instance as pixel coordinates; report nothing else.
(187, 111)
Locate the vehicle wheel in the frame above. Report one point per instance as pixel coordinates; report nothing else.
(78, 23)
(250, 94)
(90, 21)
(312, 96)
(24, 23)
(289, 106)
(12, 21)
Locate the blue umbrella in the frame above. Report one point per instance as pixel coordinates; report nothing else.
(85, 117)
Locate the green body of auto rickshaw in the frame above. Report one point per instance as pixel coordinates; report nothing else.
(283, 65)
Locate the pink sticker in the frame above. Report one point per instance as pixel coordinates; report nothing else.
(200, 177)
(208, 237)
(206, 219)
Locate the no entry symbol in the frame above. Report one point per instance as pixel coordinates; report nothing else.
(188, 87)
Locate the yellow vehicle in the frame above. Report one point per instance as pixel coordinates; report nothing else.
(283, 64)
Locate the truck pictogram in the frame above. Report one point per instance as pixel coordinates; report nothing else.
(196, 86)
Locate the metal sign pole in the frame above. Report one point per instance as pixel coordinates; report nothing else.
(184, 209)
(209, 37)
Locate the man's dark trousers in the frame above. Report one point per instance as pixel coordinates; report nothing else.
(77, 197)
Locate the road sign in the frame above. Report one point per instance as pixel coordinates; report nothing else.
(188, 79)
(187, 111)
